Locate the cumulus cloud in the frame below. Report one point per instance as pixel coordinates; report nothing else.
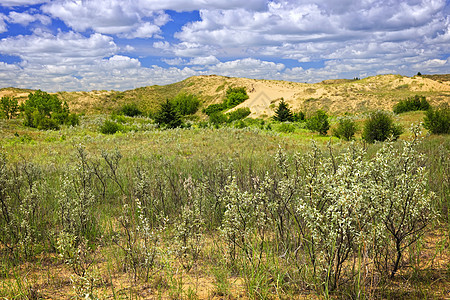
(3, 26)
(21, 2)
(26, 18)
(205, 60)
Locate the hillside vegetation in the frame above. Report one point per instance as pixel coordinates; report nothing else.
(333, 96)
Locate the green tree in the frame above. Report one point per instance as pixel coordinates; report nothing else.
(346, 129)
(283, 113)
(318, 122)
(130, 110)
(379, 127)
(235, 96)
(168, 116)
(186, 104)
(9, 106)
(437, 121)
(411, 104)
(46, 111)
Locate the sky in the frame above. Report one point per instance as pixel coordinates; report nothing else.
(84, 45)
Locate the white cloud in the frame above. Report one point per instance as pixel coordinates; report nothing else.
(21, 2)
(26, 18)
(174, 61)
(3, 26)
(248, 67)
(204, 60)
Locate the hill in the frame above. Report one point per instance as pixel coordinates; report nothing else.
(335, 96)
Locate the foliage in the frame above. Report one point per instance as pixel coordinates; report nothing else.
(346, 129)
(299, 116)
(318, 122)
(286, 128)
(283, 113)
(379, 127)
(437, 121)
(235, 96)
(46, 111)
(238, 114)
(168, 116)
(214, 108)
(110, 127)
(412, 104)
(218, 118)
(186, 104)
(9, 107)
(130, 110)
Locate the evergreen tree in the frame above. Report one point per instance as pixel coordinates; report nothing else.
(168, 115)
(283, 112)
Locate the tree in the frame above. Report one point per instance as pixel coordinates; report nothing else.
(130, 110)
(168, 115)
(437, 121)
(46, 111)
(235, 96)
(283, 113)
(318, 122)
(379, 127)
(346, 129)
(411, 104)
(9, 106)
(186, 104)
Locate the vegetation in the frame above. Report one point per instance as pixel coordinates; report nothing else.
(130, 110)
(412, 104)
(283, 113)
(186, 104)
(318, 122)
(437, 121)
(379, 127)
(46, 111)
(238, 114)
(345, 129)
(168, 116)
(9, 106)
(234, 97)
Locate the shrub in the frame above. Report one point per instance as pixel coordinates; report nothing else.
(299, 116)
(283, 113)
(346, 129)
(412, 104)
(214, 108)
(286, 128)
(218, 118)
(379, 127)
(318, 122)
(437, 121)
(238, 114)
(186, 104)
(110, 127)
(9, 107)
(168, 116)
(130, 110)
(235, 96)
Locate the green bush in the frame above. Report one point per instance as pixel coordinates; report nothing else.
(412, 104)
(235, 96)
(45, 111)
(238, 114)
(110, 127)
(168, 116)
(437, 121)
(286, 128)
(218, 118)
(9, 106)
(214, 108)
(318, 122)
(283, 113)
(130, 110)
(346, 129)
(379, 127)
(186, 104)
(299, 116)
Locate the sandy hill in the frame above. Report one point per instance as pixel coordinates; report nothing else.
(335, 96)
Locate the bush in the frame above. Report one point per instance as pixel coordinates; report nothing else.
(168, 116)
(412, 104)
(186, 104)
(299, 116)
(45, 111)
(283, 113)
(130, 110)
(286, 128)
(318, 122)
(235, 96)
(437, 121)
(238, 114)
(110, 127)
(218, 118)
(346, 129)
(379, 127)
(214, 108)
(9, 107)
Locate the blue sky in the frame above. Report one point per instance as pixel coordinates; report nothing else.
(87, 45)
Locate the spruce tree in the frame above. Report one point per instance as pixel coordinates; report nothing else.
(283, 112)
(168, 115)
